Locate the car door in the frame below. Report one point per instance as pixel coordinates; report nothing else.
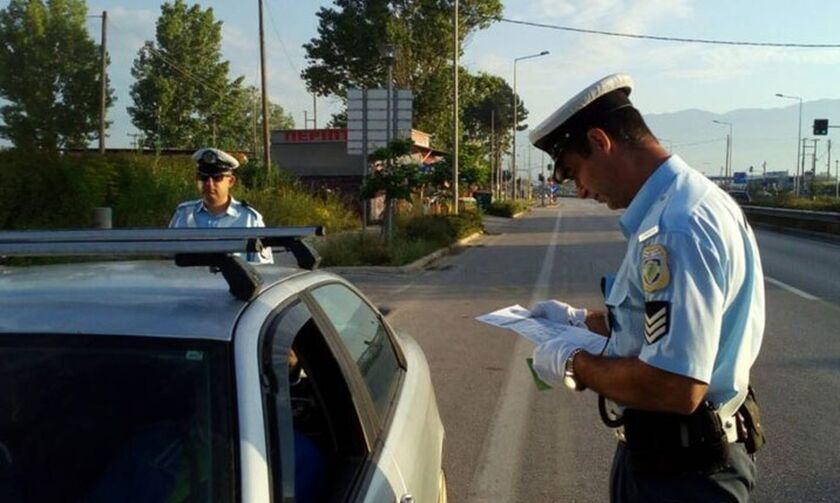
(319, 428)
(407, 436)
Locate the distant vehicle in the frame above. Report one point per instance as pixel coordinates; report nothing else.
(158, 381)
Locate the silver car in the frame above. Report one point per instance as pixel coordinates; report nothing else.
(204, 378)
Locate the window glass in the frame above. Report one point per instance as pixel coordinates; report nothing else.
(115, 419)
(366, 340)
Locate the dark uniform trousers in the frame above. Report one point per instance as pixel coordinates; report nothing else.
(733, 483)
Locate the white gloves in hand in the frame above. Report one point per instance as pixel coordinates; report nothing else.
(550, 357)
(560, 312)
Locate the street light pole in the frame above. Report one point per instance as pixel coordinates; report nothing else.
(515, 109)
(728, 169)
(798, 143)
(455, 110)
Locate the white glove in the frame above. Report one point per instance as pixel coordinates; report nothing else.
(560, 312)
(550, 356)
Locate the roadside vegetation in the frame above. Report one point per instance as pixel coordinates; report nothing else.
(507, 208)
(51, 191)
(414, 237)
(823, 202)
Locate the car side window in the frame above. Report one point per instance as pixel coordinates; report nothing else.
(366, 338)
(304, 386)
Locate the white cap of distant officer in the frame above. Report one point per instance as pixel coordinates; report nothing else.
(214, 174)
(212, 161)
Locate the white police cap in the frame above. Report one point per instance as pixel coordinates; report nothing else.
(211, 161)
(605, 96)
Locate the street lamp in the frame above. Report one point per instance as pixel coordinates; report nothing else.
(727, 173)
(389, 54)
(515, 108)
(798, 142)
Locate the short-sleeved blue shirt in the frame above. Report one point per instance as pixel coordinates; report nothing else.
(689, 296)
(238, 214)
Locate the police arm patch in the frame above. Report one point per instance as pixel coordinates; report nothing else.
(655, 274)
(657, 320)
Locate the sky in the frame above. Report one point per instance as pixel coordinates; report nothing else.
(669, 76)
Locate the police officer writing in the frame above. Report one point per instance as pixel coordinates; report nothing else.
(217, 208)
(670, 356)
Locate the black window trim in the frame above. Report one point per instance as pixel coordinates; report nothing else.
(360, 397)
(376, 427)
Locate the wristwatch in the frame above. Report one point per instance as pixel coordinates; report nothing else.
(569, 378)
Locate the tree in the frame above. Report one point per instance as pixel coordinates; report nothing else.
(278, 118)
(51, 74)
(346, 53)
(396, 175)
(182, 96)
(488, 114)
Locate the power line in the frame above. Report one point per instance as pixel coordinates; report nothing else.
(670, 39)
(164, 58)
(280, 39)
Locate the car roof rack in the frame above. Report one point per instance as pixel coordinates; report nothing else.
(191, 247)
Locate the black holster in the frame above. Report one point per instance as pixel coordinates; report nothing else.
(750, 429)
(666, 444)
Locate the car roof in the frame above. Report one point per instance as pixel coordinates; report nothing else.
(151, 298)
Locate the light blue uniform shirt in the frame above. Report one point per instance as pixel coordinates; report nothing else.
(195, 214)
(689, 296)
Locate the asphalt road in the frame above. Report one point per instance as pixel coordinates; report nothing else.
(507, 442)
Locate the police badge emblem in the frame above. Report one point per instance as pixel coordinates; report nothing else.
(655, 275)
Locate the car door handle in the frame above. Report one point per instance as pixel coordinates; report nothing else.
(407, 498)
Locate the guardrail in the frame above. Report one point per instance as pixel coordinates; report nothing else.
(820, 222)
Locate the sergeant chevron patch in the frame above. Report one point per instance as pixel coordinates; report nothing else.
(657, 320)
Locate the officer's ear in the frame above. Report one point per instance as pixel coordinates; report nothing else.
(599, 140)
(232, 180)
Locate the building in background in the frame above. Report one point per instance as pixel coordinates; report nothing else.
(319, 158)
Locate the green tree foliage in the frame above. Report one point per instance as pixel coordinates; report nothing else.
(488, 110)
(182, 96)
(347, 52)
(395, 175)
(51, 70)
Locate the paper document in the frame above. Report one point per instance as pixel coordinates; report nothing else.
(518, 319)
(537, 330)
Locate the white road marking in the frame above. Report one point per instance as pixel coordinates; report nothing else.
(494, 480)
(793, 290)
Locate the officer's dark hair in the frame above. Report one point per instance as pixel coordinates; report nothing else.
(625, 126)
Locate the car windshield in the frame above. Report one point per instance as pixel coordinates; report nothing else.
(95, 419)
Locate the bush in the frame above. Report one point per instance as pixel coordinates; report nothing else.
(442, 228)
(820, 203)
(51, 191)
(507, 208)
(414, 238)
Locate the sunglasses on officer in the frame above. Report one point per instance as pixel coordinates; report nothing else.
(202, 177)
(560, 173)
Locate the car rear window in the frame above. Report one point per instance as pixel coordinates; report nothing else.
(94, 419)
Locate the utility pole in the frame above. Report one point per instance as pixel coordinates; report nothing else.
(828, 162)
(837, 179)
(266, 135)
(314, 112)
(493, 174)
(103, 85)
(455, 64)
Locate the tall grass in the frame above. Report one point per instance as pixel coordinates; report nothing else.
(414, 237)
(49, 191)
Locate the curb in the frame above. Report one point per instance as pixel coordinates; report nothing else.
(415, 266)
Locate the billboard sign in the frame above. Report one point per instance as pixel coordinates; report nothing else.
(368, 121)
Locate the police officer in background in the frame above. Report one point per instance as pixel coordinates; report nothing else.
(684, 315)
(217, 208)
